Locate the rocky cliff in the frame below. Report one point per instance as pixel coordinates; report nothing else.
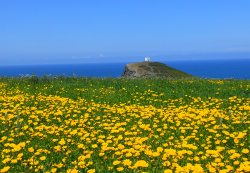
(152, 69)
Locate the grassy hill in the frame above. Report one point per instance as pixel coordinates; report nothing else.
(153, 69)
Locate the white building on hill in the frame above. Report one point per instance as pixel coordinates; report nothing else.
(147, 59)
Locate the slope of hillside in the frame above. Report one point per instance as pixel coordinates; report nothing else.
(152, 69)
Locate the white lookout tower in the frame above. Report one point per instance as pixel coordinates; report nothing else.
(147, 59)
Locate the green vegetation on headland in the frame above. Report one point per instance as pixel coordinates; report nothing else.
(75, 125)
(153, 70)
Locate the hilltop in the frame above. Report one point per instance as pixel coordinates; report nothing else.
(152, 69)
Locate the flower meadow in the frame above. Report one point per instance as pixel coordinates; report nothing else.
(76, 125)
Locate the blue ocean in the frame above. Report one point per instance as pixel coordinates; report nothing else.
(237, 69)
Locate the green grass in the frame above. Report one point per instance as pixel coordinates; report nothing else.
(168, 71)
(122, 90)
(159, 70)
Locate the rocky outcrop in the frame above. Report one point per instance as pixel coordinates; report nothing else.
(152, 69)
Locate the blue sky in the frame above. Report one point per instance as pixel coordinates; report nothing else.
(64, 31)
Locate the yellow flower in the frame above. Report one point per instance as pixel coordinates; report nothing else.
(197, 168)
(196, 158)
(129, 155)
(120, 146)
(57, 148)
(236, 162)
(5, 169)
(13, 160)
(42, 158)
(80, 146)
(141, 163)
(166, 163)
(62, 142)
(168, 171)
(127, 162)
(155, 154)
(72, 171)
(212, 169)
(245, 151)
(101, 154)
(116, 162)
(159, 149)
(236, 140)
(31, 149)
(6, 160)
(235, 155)
(91, 171)
(120, 169)
(59, 165)
(94, 146)
(53, 170)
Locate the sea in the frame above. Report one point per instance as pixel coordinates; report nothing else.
(216, 69)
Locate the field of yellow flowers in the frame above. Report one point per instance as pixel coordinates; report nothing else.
(115, 125)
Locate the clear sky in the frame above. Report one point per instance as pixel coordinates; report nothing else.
(75, 31)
